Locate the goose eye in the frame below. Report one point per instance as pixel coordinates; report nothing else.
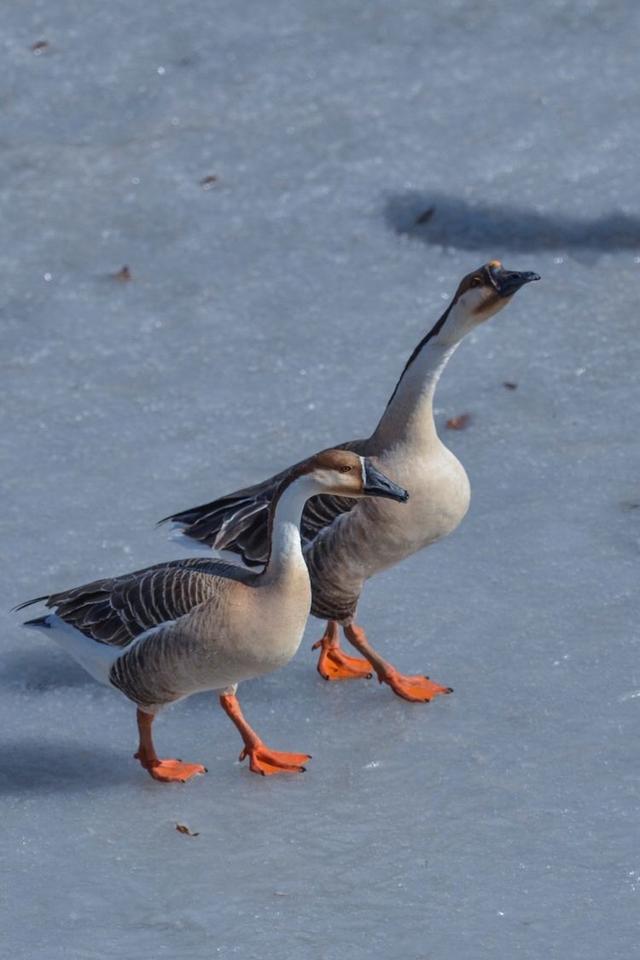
(344, 469)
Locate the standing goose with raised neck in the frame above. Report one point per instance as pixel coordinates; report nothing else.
(165, 632)
(347, 541)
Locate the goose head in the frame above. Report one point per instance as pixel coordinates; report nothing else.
(345, 474)
(480, 295)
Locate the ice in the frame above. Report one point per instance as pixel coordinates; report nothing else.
(266, 317)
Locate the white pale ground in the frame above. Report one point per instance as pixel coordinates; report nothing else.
(269, 316)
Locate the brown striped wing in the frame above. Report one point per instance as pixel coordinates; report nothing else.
(116, 610)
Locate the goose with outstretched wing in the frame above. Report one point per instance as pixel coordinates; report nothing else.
(177, 628)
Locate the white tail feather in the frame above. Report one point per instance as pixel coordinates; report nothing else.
(96, 658)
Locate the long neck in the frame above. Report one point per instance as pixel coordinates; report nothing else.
(285, 555)
(408, 417)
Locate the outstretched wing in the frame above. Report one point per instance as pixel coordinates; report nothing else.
(115, 610)
(240, 521)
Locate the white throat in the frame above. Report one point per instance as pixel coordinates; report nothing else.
(409, 414)
(286, 547)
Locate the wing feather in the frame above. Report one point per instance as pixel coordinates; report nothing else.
(240, 521)
(116, 610)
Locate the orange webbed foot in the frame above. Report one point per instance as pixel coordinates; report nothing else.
(171, 771)
(417, 689)
(333, 664)
(269, 762)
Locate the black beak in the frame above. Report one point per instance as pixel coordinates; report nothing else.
(508, 282)
(377, 485)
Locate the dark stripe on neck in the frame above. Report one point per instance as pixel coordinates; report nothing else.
(435, 330)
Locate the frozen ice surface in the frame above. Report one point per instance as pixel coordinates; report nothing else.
(269, 315)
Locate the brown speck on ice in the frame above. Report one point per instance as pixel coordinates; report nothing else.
(123, 275)
(425, 216)
(460, 422)
(207, 182)
(182, 828)
(39, 47)
(510, 385)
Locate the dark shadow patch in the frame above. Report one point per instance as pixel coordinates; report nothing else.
(37, 765)
(450, 222)
(41, 670)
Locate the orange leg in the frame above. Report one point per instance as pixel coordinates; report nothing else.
(417, 689)
(165, 770)
(333, 664)
(261, 758)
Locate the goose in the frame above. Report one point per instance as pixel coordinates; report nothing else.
(185, 626)
(347, 541)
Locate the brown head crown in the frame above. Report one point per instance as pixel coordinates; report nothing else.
(493, 284)
(346, 474)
